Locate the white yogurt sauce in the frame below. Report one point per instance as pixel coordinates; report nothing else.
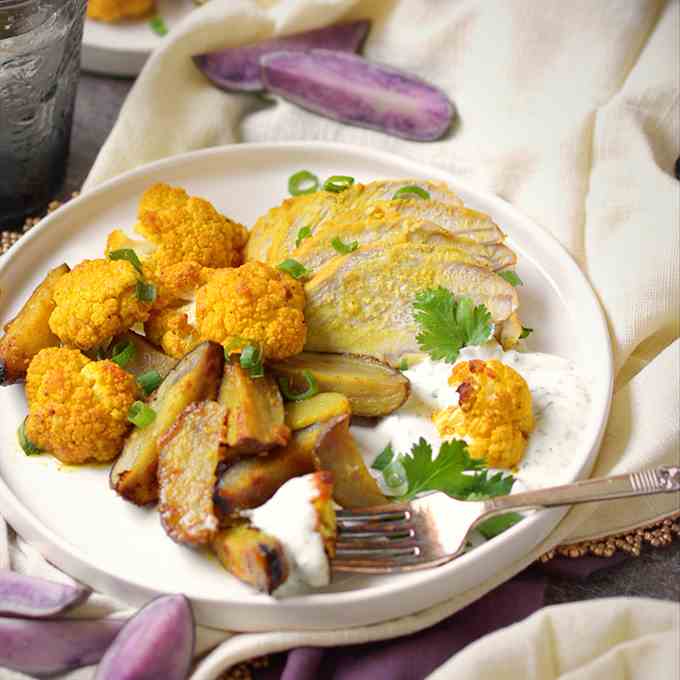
(560, 402)
(290, 516)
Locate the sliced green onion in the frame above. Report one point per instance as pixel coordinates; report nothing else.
(394, 475)
(294, 268)
(28, 447)
(158, 26)
(303, 182)
(384, 458)
(403, 365)
(123, 353)
(235, 345)
(146, 292)
(140, 414)
(127, 254)
(497, 525)
(312, 388)
(511, 277)
(338, 183)
(305, 232)
(526, 332)
(251, 361)
(411, 190)
(344, 249)
(149, 381)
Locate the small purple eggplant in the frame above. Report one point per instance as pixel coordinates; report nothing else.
(42, 648)
(238, 68)
(350, 89)
(36, 598)
(158, 642)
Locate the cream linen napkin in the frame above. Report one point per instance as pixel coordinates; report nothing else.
(571, 112)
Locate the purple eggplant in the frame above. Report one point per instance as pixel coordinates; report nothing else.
(42, 648)
(238, 68)
(158, 642)
(36, 598)
(350, 89)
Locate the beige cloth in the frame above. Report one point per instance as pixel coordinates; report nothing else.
(570, 110)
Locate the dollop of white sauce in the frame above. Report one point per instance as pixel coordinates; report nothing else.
(289, 515)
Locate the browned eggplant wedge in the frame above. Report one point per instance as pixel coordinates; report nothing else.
(336, 451)
(146, 357)
(252, 556)
(195, 378)
(373, 388)
(316, 409)
(252, 481)
(187, 471)
(255, 412)
(29, 331)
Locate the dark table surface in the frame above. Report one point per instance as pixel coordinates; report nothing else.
(656, 573)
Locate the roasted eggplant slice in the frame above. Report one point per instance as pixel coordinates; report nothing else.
(373, 388)
(147, 357)
(187, 471)
(252, 481)
(195, 378)
(317, 409)
(336, 451)
(254, 557)
(29, 331)
(255, 412)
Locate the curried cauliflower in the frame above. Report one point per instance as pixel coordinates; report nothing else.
(493, 414)
(95, 301)
(115, 10)
(171, 329)
(78, 408)
(253, 303)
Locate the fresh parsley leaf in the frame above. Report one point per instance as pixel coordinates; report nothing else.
(303, 233)
(158, 26)
(511, 277)
(344, 248)
(384, 458)
(484, 486)
(497, 525)
(447, 325)
(526, 332)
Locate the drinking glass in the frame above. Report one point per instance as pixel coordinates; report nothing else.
(39, 67)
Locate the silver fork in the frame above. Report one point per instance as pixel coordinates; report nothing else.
(432, 530)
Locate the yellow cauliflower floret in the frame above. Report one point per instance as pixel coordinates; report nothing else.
(115, 10)
(256, 303)
(493, 414)
(170, 329)
(95, 301)
(78, 408)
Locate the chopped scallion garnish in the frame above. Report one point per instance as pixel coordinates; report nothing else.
(303, 182)
(149, 381)
(140, 414)
(312, 388)
(127, 254)
(338, 183)
(526, 332)
(305, 232)
(384, 458)
(511, 277)
(146, 292)
(28, 447)
(251, 361)
(294, 268)
(403, 365)
(411, 190)
(342, 248)
(123, 353)
(158, 26)
(234, 345)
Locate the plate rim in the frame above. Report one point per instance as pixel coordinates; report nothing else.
(61, 552)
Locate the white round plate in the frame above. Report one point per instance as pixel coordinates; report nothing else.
(79, 524)
(122, 48)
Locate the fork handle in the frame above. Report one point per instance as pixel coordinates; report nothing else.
(663, 479)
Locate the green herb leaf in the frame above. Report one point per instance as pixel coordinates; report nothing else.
(511, 277)
(447, 325)
(338, 183)
(526, 332)
(251, 361)
(305, 232)
(410, 191)
(312, 388)
(394, 476)
(497, 525)
(303, 182)
(403, 365)
(123, 353)
(28, 447)
(146, 292)
(384, 458)
(127, 254)
(140, 414)
(343, 249)
(149, 381)
(294, 268)
(158, 26)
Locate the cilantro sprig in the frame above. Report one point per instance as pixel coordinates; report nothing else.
(447, 325)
